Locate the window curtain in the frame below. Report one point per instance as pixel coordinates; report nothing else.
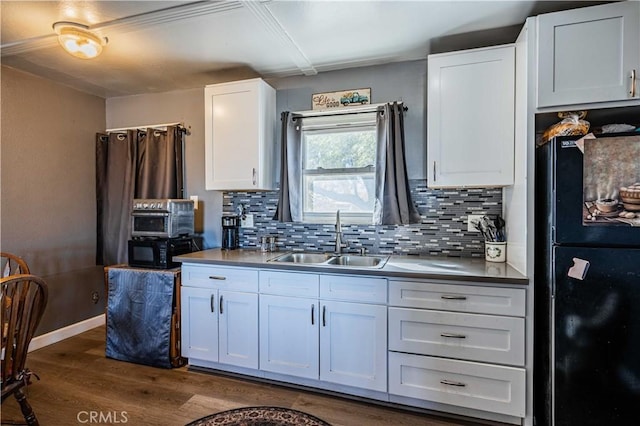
(393, 204)
(135, 164)
(289, 200)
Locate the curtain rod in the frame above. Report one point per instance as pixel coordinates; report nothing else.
(341, 111)
(181, 125)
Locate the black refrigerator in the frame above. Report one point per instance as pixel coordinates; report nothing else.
(587, 282)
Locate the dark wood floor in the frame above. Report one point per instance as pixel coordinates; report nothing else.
(77, 379)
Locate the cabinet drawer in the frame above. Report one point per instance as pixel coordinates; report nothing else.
(352, 288)
(460, 298)
(474, 385)
(289, 283)
(237, 279)
(455, 335)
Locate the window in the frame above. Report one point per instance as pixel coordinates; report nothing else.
(338, 167)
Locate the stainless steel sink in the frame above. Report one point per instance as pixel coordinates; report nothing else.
(358, 261)
(327, 259)
(303, 258)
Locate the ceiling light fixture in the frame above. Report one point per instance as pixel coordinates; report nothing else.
(78, 40)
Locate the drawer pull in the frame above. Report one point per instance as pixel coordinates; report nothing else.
(451, 297)
(453, 336)
(217, 277)
(452, 383)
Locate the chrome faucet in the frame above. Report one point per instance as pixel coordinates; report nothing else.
(339, 244)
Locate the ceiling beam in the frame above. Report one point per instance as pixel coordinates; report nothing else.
(272, 25)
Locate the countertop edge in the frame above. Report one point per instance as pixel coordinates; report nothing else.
(256, 259)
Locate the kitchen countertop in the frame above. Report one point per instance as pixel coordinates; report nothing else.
(450, 268)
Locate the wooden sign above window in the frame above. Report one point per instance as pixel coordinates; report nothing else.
(341, 99)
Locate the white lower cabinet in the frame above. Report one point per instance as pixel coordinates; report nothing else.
(335, 341)
(220, 325)
(461, 345)
(353, 344)
(475, 385)
(199, 323)
(289, 341)
(420, 342)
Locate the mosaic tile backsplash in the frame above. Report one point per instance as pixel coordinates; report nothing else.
(442, 231)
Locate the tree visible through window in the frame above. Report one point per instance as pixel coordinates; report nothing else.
(339, 171)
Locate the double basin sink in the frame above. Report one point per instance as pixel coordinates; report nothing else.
(327, 259)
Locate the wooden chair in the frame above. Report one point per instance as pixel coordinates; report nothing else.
(24, 298)
(11, 264)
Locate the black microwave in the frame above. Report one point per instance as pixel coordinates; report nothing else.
(157, 253)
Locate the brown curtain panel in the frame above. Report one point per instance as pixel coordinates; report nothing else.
(132, 164)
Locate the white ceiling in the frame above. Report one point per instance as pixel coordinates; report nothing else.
(158, 46)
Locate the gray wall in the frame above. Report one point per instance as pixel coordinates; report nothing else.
(403, 81)
(47, 209)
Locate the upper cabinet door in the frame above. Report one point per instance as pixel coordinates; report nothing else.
(589, 55)
(239, 135)
(470, 118)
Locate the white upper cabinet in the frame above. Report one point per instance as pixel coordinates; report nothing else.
(240, 120)
(589, 55)
(470, 118)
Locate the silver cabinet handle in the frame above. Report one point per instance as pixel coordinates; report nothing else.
(451, 297)
(434, 171)
(633, 84)
(452, 383)
(220, 305)
(254, 176)
(213, 302)
(453, 336)
(313, 307)
(217, 277)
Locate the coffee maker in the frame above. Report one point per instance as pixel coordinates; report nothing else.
(230, 232)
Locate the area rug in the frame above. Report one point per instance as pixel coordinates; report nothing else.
(260, 416)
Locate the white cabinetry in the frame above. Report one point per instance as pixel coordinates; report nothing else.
(220, 324)
(459, 345)
(589, 54)
(470, 118)
(240, 125)
(311, 327)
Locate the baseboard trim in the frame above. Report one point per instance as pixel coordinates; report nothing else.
(66, 332)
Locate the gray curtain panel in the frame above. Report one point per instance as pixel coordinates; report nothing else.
(135, 164)
(393, 203)
(289, 202)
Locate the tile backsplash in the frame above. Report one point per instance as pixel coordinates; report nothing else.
(442, 231)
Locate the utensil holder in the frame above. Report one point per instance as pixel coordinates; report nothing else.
(495, 251)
